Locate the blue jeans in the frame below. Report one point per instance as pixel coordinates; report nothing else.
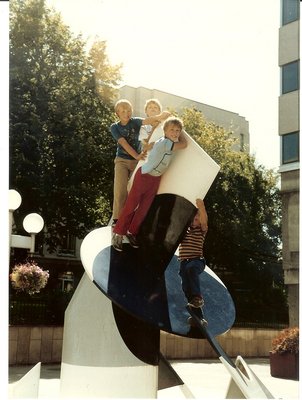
(189, 272)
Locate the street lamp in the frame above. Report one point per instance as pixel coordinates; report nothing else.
(33, 223)
(14, 201)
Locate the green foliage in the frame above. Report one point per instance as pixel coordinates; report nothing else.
(61, 150)
(244, 208)
(106, 75)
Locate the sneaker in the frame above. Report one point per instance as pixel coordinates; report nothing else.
(196, 302)
(132, 240)
(117, 242)
(199, 314)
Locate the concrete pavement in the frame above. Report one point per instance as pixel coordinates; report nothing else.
(203, 379)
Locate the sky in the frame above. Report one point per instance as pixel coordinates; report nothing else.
(217, 52)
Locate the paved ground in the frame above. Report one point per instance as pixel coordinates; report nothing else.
(203, 379)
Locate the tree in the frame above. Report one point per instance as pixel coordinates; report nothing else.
(244, 208)
(61, 150)
(107, 76)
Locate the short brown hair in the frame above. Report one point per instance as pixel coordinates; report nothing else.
(155, 101)
(173, 121)
(122, 102)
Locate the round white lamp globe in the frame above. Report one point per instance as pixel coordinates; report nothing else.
(14, 199)
(33, 223)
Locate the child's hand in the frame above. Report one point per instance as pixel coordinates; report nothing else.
(142, 155)
(164, 115)
(148, 146)
(154, 125)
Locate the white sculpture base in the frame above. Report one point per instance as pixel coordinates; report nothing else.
(95, 360)
(28, 386)
(244, 383)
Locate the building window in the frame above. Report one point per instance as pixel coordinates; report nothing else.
(67, 281)
(290, 147)
(290, 11)
(290, 77)
(68, 247)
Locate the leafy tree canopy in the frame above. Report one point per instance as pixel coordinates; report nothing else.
(106, 75)
(61, 151)
(244, 209)
(61, 154)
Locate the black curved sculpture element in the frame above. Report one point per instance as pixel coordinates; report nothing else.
(141, 338)
(163, 229)
(145, 284)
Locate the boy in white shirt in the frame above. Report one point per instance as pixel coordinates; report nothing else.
(152, 108)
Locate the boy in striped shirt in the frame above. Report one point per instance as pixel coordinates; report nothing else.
(192, 262)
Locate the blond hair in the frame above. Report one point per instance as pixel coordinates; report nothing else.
(122, 102)
(153, 101)
(173, 121)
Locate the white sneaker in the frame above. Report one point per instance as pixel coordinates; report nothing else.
(117, 242)
(132, 240)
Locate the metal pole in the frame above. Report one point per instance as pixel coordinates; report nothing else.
(32, 244)
(10, 224)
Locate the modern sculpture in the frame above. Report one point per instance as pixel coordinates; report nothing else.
(145, 291)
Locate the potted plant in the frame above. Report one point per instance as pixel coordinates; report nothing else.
(28, 277)
(284, 356)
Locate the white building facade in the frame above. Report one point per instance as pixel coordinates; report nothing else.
(289, 131)
(229, 120)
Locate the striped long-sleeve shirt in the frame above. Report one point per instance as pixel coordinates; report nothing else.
(192, 244)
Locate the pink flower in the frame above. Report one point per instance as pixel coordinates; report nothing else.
(29, 277)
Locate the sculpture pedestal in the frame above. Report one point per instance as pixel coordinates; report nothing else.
(95, 360)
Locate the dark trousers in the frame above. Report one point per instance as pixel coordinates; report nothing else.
(189, 272)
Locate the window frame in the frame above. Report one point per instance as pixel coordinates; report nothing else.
(283, 71)
(285, 10)
(291, 160)
(68, 247)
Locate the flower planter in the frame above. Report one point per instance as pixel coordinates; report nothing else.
(284, 365)
(28, 277)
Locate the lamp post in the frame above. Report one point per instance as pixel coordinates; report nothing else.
(33, 223)
(14, 202)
